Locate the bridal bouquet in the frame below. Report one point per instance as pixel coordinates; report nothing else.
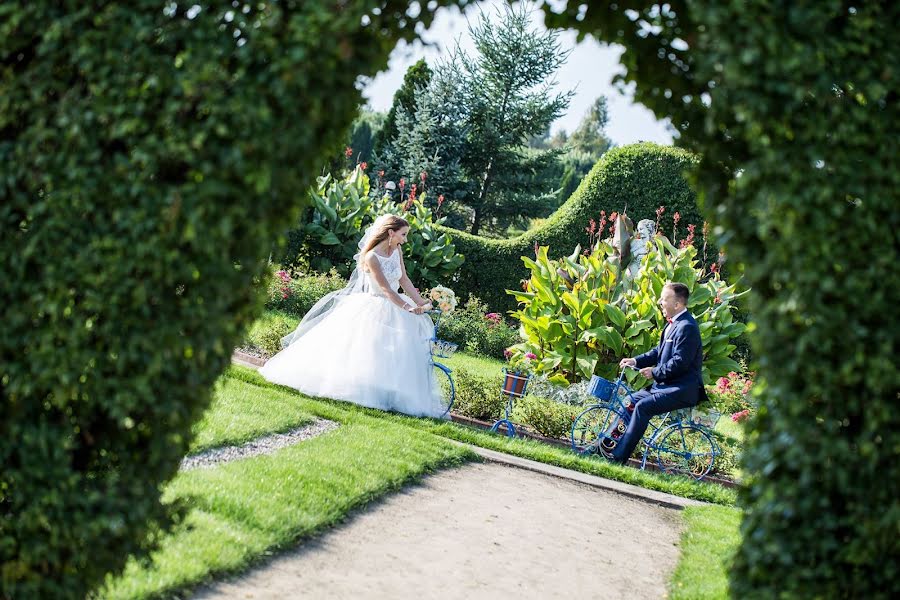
(444, 298)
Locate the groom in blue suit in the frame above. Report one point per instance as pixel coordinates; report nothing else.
(675, 366)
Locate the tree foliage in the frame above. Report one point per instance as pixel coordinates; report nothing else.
(151, 152)
(794, 109)
(405, 99)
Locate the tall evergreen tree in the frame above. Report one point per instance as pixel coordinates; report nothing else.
(509, 98)
(417, 76)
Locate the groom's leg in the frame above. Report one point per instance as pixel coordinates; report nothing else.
(647, 406)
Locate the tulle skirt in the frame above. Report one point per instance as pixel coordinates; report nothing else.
(366, 351)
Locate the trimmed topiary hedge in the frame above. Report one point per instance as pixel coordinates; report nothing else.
(640, 177)
(151, 151)
(795, 108)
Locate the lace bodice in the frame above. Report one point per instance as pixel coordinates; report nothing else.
(392, 270)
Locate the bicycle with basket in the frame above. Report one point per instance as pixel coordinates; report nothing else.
(442, 349)
(679, 442)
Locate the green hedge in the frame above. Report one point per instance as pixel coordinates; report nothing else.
(151, 151)
(794, 108)
(640, 177)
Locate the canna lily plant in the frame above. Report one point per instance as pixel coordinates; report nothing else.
(579, 316)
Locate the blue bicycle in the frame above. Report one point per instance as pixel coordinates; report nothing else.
(675, 442)
(442, 349)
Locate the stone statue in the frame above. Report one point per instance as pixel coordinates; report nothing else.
(643, 235)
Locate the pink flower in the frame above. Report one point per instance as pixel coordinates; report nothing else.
(364, 165)
(423, 175)
(507, 353)
(348, 152)
(676, 217)
(531, 356)
(660, 211)
(740, 416)
(402, 182)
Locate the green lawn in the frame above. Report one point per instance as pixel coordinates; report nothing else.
(478, 365)
(243, 510)
(709, 541)
(241, 412)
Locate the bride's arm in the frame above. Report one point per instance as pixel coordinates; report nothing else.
(408, 286)
(378, 275)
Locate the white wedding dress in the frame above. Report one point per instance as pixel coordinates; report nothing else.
(365, 350)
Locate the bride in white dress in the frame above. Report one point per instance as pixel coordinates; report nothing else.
(367, 343)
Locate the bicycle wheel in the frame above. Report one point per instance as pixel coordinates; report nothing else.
(447, 388)
(684, 449)
(599, 424)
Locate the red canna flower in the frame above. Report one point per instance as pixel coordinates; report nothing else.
(381, 173)
(412, 191)
(423, 175)
(440, 200)
(348, 152)
(676, 217)
(364, 165)
(402, 183)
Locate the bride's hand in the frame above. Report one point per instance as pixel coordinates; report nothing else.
(416, 310)
(428, 306)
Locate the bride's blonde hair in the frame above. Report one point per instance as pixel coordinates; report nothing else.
(391, 223)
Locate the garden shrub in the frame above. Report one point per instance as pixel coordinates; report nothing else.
(794, 109)
(151, 152)
(549, 418)
(639, 177)
(296, 295)
(477, 330)
(266, 332)
(341, 210)
(580, 316)
(477, 396)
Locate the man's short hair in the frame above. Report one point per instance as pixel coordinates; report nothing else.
(680, 290)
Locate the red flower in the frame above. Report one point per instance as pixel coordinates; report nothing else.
(423, 175)
(363, 165)
(676, 217)
(660, 211)
(714, 268)
(531, 356)
(381, 173)
(402, 183)
(440, 200)
(412, 191)
(613, 216)
(348, 152)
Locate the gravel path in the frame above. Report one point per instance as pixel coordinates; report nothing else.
(263, 445)
(480, 531)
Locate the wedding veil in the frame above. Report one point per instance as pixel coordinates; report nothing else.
(358, 284)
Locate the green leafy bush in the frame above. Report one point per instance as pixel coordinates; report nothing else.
(266, 332)
(151, 152)
(478, 331)
(549, 418)
(477, 396)
(580, 316)
(645, 175)
(340, 212)
(296, 295)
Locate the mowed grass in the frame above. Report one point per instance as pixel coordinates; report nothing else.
(241, 412)
(708, 544)
(478, 365)
(246, 509)
(531, 449)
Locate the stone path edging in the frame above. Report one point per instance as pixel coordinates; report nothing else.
(262, 445)
(626, 489)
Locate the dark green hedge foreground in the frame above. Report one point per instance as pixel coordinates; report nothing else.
(794, 109)
(150, 154)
